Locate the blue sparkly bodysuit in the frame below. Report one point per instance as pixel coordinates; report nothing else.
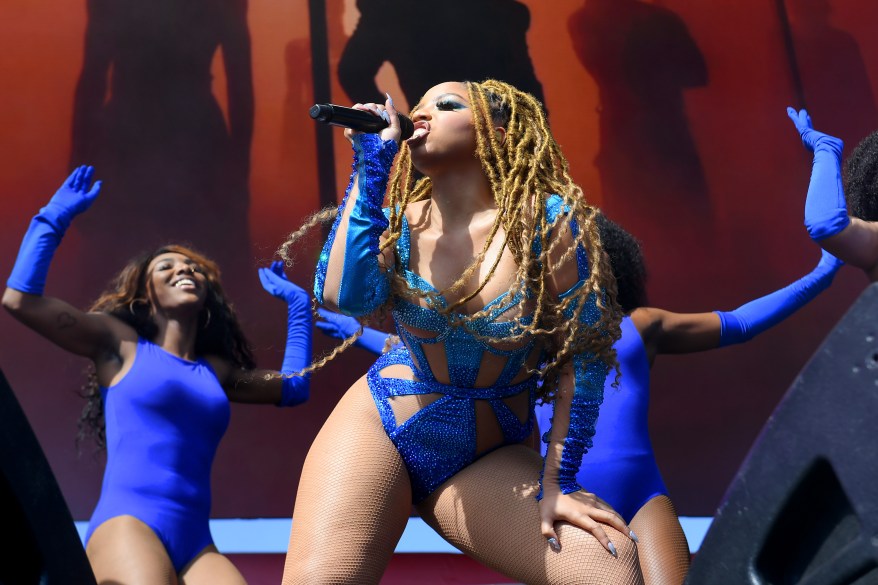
(457, 409)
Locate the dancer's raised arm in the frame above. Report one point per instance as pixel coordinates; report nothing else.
(288, 386)
(85, 334)
(850, 239)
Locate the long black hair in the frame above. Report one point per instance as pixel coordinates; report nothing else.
(626, 262)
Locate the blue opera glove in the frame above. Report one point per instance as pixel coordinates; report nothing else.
(364, 286)
(751, 319)
(589, 377)
(342, 327)
(297, 355)
(590, 374)
(825, 208)
(47, 228)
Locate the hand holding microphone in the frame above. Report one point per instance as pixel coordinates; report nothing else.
(368, 119)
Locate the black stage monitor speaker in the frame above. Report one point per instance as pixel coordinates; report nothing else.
(803, 508)
(38, 543)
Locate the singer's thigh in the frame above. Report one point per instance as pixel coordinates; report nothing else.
(489, 511)
(353, 502)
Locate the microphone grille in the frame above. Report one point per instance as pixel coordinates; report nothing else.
(321, 112)
(406, 126)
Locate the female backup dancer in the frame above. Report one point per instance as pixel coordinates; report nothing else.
(852, 238)
(169, 355)
(621, 466)
(491, 265)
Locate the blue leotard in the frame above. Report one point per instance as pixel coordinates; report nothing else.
(620, 467)
(164, 421)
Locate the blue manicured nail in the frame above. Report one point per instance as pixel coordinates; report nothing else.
(612, 548)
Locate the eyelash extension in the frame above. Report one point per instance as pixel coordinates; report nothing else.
(448, 105)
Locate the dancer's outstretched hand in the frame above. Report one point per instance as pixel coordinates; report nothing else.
(275, 282)
(582, 509)
(75, 195)
(811, 138)
(335, 324)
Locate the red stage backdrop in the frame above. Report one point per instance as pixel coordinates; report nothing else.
(671, 113)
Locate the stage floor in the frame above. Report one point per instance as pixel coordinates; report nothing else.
(404, 569)
(258, 546)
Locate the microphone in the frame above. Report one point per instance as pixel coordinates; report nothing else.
(357, 119)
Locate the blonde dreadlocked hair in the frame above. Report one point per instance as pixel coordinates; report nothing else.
(523, 171)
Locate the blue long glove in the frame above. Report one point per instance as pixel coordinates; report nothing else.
(826, 212)
(297, 355)
(47, 228)
(363, 287)
(342, 327)
(751, 319)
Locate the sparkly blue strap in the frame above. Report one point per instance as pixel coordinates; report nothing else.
(364, 286)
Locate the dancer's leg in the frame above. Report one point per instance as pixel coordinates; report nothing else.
(353, 502)
(663, 550)
(488, 510)
(125, 550)
(211, 568)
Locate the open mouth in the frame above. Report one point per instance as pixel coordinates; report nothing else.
(422, 129)
(185, 283)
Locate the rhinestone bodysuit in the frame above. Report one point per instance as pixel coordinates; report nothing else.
(440, 438)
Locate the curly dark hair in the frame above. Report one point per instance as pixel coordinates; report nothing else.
(626, 262)
(219, 332)
(861, 179)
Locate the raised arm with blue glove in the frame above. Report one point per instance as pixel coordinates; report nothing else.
(297, 355)
(47, 228)
(825, 207)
